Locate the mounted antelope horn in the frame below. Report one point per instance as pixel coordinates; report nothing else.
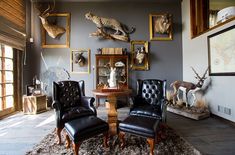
(45, 11)
(53, 30)
(203, 77)
(197, 76)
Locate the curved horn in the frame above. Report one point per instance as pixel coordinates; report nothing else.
(48, 8)
(203, 77)
(197, 76)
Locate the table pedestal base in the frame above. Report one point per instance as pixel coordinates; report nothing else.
(112, 115)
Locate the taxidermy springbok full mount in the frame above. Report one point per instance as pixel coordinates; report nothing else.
(188, 85)
(53, 30)
(105, 24)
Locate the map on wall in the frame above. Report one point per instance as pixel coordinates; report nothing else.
(222, 52)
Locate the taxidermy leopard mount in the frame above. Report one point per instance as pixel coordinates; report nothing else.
(119, 31)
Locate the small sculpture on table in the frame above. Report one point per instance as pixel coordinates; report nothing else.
(112, 78)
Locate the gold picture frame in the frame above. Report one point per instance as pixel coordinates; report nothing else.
(75, 66)
(66, 35)
(154, 20)
(139, 55)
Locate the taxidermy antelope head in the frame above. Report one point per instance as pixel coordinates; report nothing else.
(199, 78)
(189, 85)
(79, 59)
(53, 30)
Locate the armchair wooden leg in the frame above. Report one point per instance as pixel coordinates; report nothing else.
(122, 139)
(67, 141)
(76, 148)
(58, 132)
(163, 128)
(105, 139)
(151, 143)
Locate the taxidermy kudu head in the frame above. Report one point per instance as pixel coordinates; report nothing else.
(189, 85)
(53, 30)
(79, 59)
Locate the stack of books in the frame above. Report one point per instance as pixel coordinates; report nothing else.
(112, 51)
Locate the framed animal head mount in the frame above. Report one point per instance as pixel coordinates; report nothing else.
(60, 40)
(139, 55)
(160, 26)
(80, 61)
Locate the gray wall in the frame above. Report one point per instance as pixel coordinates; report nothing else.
(195, 53)
(165, 56)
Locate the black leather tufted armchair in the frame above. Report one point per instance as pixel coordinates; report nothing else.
(70, 102)
(150, 100)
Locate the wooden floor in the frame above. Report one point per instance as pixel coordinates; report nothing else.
(211, 136)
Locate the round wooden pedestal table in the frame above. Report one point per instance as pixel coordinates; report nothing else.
(112, 99)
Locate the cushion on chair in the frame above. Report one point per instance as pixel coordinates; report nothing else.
(75, 112)
(147, 111)
(85, 127)
(141, 126)
(69, 94)
(151, 91)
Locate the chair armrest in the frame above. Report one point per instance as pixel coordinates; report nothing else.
(56, 105)
(88, 102)
(134, 101)
(164, 103)
(58, 113)
(131, 102)
(138, 100)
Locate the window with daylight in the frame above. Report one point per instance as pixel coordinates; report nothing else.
(6, 79)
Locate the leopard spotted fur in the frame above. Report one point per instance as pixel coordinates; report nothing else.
(102, 23)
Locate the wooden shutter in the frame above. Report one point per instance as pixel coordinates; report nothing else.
(199, 10)
(12, 23)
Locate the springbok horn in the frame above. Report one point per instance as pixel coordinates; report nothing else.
(203, 77)
(196, 73)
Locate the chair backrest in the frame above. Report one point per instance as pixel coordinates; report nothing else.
(68, 93)
(152, 90)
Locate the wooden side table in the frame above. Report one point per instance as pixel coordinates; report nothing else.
(112, 111)
(34, 104)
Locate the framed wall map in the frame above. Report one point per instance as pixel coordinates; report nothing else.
(221, 52)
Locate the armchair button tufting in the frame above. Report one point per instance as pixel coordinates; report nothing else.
(147, 95)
